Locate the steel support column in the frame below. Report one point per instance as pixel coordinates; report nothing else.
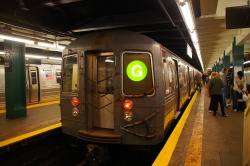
(238, 57)
(15, 79)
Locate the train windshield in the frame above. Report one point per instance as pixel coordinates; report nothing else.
(137, 74)
(70, 74)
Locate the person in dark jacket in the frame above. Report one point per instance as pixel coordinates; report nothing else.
(215, 91)
(197, 81)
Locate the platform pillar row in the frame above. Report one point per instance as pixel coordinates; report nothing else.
(238, 56)
(226, 61)
(15, 79)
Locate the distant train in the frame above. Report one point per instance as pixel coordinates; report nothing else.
(121, 87)
(42, 83)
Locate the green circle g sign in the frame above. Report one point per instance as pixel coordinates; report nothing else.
(136, 70)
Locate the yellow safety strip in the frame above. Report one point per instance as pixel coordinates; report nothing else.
(36, 105)
(194, 153)
(247, 109)
(166, 153)
(28, 135)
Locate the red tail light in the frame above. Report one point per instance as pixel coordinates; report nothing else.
(127, 105)
(74, 101)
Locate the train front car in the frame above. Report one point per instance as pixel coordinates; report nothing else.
(112, 89)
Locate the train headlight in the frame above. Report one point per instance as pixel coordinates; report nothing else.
(75, 111)
(74, 101)
(128, 116)
(127, 104)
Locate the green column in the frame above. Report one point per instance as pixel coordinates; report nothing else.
(220, 67)
(238, 57)
(226, 60)
(15, 79)
(217, 67)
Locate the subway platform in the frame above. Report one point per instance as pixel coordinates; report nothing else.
(40, 118)
(205, 139)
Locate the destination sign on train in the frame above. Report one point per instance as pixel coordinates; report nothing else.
(137, 70)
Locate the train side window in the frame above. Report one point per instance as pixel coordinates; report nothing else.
(180, 76)
(33, 77)
(185, 75)
(70, 74)
(167, 77)
(58, 76)
(105, 74)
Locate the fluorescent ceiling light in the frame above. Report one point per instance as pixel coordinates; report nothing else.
(189, 51)
(46, 45)
(50, 45)
(187, 15)
(194, 37)
(54, 58)
(60, 47)
(246, 62)
(31, 43)
(2, 53)
(42, 47)
(35, 56)
(17, 39)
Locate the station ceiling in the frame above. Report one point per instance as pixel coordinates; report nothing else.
(161, 20)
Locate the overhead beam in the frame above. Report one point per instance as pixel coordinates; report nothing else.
(126, 20)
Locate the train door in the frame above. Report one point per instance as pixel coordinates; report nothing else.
(99, 91)
(189, 81)
(177, 87)
(32, 84)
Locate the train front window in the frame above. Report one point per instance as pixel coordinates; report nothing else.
(105, 74)
(70, 74)
(137, 74)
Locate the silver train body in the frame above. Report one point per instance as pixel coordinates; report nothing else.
(122, 88)
(42, 83)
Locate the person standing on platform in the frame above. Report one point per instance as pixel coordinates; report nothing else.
(197, 81)
(225, 87)
(204, 77)
(229, 85)
(215, 91)
(239, 88)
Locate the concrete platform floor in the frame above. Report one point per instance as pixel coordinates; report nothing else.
(221, 138)
(38, 116)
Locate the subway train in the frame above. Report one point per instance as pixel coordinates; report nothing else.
(121, 87)
(42, 83)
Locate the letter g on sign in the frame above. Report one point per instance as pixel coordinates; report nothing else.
(136, 70)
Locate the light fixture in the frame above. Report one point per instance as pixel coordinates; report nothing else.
(30, 43)
(35, 56)
(1, 52)
(55, 58)
(246, 62)
(16, 39)
(187, 15)
(55, 45)
(189, 51)
(185, 8)
(194, 36)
